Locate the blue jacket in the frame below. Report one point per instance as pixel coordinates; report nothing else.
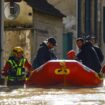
(99, 53)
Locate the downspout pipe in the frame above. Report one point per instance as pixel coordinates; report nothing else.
(1, 31)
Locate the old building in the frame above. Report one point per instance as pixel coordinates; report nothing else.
(102, 26)
(47, 22)
(17, 27)
(90, 17)
(28, 23)
(42, 20)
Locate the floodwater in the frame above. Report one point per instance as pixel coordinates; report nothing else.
(52, 96)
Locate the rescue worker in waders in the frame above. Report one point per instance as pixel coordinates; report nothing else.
(16, 67)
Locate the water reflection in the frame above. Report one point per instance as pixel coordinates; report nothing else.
(52, 96)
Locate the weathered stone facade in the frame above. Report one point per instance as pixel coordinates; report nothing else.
(96, 20)
(21, 17)
(17, 31)
(17, 38)
(47, 26)
(102, 28)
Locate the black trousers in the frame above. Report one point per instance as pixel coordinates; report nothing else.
(16, 83)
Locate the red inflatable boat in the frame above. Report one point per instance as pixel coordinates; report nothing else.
(64, 72)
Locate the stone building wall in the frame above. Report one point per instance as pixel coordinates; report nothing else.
(22, 16)
(17, 31)
(102, 4)
(69, 9)
(17, 38)
(29, 38)
(47, 26)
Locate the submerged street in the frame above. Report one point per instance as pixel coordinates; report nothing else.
(70, 33)
(52, 96)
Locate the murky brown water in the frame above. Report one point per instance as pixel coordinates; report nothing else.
(52, 96)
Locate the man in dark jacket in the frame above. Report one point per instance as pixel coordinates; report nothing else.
(45, 52)
(89, 57)
(80, 42)
(97, 49)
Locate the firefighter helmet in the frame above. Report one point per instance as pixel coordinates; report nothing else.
(17, 50)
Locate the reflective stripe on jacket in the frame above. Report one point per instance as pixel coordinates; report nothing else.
(17, 71)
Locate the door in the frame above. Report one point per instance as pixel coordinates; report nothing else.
(67, 43)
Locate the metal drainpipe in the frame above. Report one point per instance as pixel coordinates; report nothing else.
(1, 31)
(100, 24)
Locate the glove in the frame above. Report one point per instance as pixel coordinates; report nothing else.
(3, 73)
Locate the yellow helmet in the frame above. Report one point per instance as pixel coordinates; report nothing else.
(17, 50)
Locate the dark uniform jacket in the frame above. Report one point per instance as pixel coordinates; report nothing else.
(99, 53)
(89, 57)
(43, 55)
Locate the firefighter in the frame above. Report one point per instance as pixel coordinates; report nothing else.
(16, 67)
